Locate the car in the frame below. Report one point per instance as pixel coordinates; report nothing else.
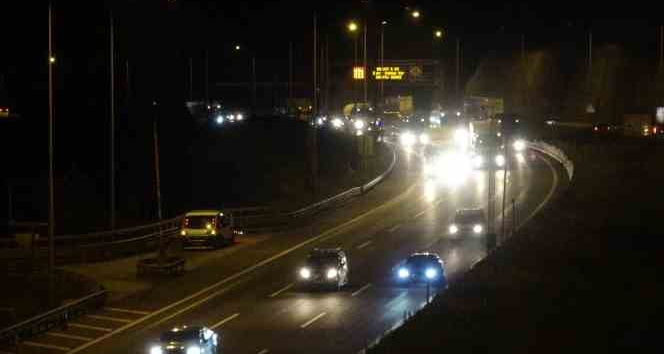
(468, 221)
(187, 340)
(414, 131)
(212, 228)
(422, 267)
(325, 267)
(4, 111)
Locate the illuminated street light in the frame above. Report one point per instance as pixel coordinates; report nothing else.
(438, 34)
(383, 22)
(237, 47)
(415, 14)
(51, 60)
(352, 26)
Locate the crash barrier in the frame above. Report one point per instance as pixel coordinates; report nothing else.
(57, 317)
(556, 154)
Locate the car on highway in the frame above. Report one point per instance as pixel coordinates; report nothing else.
(324, 267)
(422, 267)
(414, 131)
(212, 228)
(468, 221)
(187, 340)
(4, 111)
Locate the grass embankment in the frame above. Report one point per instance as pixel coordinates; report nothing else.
(582, 275)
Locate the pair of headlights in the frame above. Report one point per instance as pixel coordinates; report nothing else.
(429, 273)
(305, 273)
(477, 228)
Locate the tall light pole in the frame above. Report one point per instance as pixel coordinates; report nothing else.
(382, 57)
(352, 28)
(458, 69)
(191, 79)
(364, 62)
(290, 70)
(112, 132)
(51, 199)
(661, 47)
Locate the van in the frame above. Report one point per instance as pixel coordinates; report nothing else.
(212, 228)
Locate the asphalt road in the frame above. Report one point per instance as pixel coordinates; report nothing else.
(251, 296)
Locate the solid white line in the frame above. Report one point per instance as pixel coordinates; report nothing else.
(364, 245)
(321, 237)
(108, 318)
(47, 346)
(306, 324)
(394, 228)
(361, 289)
(264, 351)
(69, 336)
(133, 312)
(224, 320)
(554, 185)
(420, 214)
(282, 290)
(94, 328)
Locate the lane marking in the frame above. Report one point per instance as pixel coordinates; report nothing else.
(364, 245)
(224, 320)
(282, 290)
(68, 336)
(47, 346)
(323, 236)
(133, 312)
(420, 213)
(554, 186)
(264, 351)
(367, 286)
(306, 324)
(394, 228)
(94, 328)
(109, 318)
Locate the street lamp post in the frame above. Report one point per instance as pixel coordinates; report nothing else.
(364, 62)
(382, 57)
(51, 201)
(352, 28)
(112, 132)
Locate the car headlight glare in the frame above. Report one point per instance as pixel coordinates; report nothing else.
(194, 349)
(220, 119)
(358, 124)
(407, 139)
(403, 273)
(183, 233)
(430, 273)
(477, 228)
(332, 273)
(519, 145)
(424, 139)
(500, 160)
(337, 123)
(305, 273)
(156, 350)
(453, 229)
(239, 116)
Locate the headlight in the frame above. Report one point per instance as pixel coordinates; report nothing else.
(208, 226)
(183, 233)
(453, 229)
(232, 116)
(156, 349)
(520, 158)
(239, 116)
(519, 145)
(358, 124)
(332, 273)
(403, 273)
(424, 139)
(500, 160)
(477, 228)
(407, 139)
(194, 349)
(305, 273)
(214, 232)
(220, 119)
(320, 121)
(430, 273)
(337, 123)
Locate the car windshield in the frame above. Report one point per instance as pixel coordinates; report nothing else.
(420, 261)
(321, 259)
(198, 222)
(180, 336)
(468, 217)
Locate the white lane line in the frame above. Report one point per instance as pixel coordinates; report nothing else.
(361, 289)
(323, 236)
(364, 245)
(554, 186)
(394, 228)
(94, 328)
(306, 324)
(47, 346)
(420, 214)
(109, 318)
(224, 320)
(68, 336)
(133, 312)
(264, 351)
(276, 293)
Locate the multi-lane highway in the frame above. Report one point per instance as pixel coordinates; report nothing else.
(251, 295)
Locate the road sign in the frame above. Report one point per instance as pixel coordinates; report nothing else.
(358, 73)
(388, 73)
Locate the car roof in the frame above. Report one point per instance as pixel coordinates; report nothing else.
(326, 251)
(424, 254)
(203, 213)
(472, 211)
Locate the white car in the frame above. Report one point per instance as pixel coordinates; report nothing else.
(467, 222)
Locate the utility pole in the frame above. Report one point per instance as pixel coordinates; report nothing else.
(327, 74)
(112, 137)
(290, 70)
(456, 89)
(364, 62)
(355, 62)
(661, 47)
(191, 79)
(313, 131)
(51, 187)
(382, 59)
(155, 139)
(128, 82)
(590, 53)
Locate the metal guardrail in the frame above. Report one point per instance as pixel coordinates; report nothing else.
(51, 319)
(556, 154)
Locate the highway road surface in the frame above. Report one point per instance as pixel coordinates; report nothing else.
(252, 296)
